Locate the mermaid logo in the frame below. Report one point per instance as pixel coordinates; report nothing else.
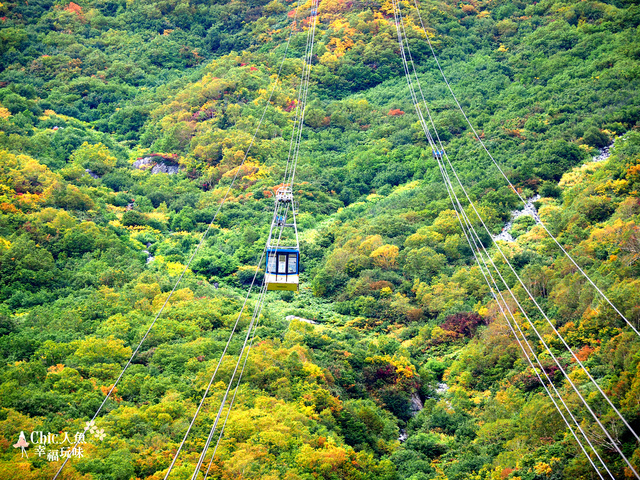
(22, 444)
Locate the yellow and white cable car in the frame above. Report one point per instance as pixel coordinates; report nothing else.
(283, 248)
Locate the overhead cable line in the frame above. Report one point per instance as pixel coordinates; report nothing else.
(535, 302)
(539, 221)
(198, 246)
(233, 399)
(553, 356)
(215, 372)
(280, 211)
(296, 137)
(477, 246)
(527, 290)
(504, 307)
(250, 329)
(479, 257)
(561, 338)
(460, 215)
(559, 364)
(262, 256)
(448, 184)
(257, 307)
(303, 107)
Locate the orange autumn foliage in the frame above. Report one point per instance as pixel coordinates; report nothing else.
(75, 8)
(105, 390)
(584, 353)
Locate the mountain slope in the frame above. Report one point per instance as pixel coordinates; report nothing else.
(90, 246)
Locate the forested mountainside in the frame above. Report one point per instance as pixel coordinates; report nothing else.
(123, 124)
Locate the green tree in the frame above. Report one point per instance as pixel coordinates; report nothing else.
(96, 158)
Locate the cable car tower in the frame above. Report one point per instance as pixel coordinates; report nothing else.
(283, 247)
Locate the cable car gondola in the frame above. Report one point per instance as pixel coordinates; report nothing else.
(283, 255)
(282, 269)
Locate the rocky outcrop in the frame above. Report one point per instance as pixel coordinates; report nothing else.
(92, 174)
(157, 164)
(529, 209)
(415, 404)
(150, 257)
(164, 168)
(603, 154)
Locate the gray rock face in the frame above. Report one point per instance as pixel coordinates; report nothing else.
(150, 258)
(92, 174)
(528, 209)
(157, 164)
(416, 404)
(164, 168)
(603, 155)
(142, 162)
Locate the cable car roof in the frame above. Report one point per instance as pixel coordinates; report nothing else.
(282, 249)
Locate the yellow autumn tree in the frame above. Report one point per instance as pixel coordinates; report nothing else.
(385, 256)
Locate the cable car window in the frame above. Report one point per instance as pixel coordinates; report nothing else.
(282, 263)
(271, 266)
(293, 263)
